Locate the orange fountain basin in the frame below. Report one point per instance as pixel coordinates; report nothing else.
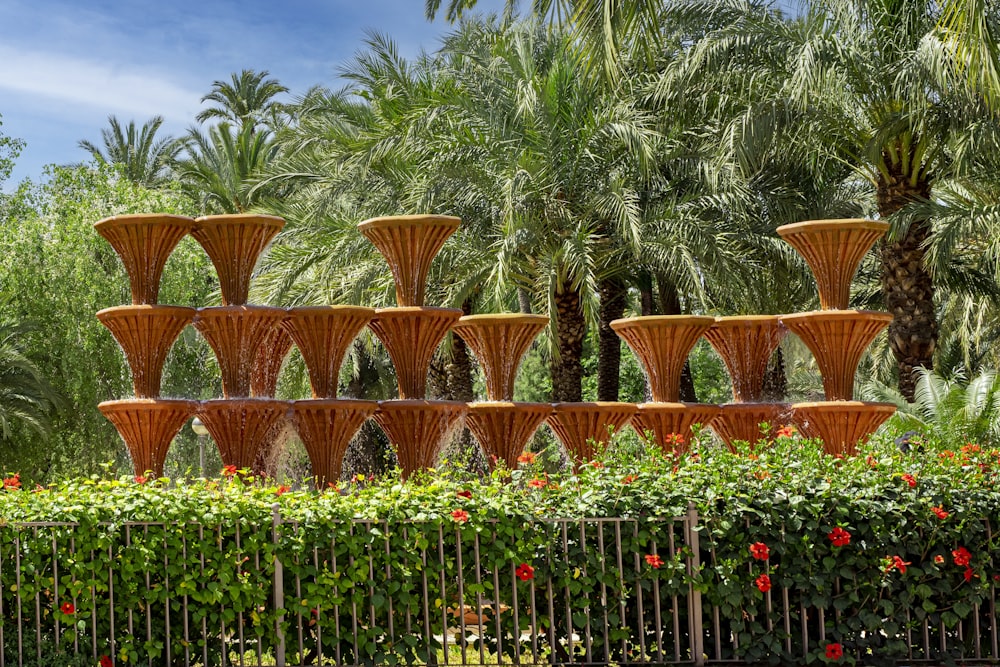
(500, 342)
(837, 339)
(326, 426)
(741, 421)
(241, 426)
(584, 428)
(323, 334)
(236, 333)
(841, 425)
(504, 429)
(409, 244)
(410, 336)
(146, 333)
(746, 343)
(234, 243)
(833, 249)
(418, 429)
(144, 243)
(662, 344)
(670, 423)
(148, 426)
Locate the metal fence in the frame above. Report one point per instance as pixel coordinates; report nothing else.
(586, 592)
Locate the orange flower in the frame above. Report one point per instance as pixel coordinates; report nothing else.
(281, 490)
(538, 483)
(141, 479)
(597, 464)
(460, 516)
(526, 458)
(654, 561)
(628, 479)
(229, 471)
(763, 583)
(12, 483)
(910, 479)
(939, 513)
(673, 439)
(786, 431)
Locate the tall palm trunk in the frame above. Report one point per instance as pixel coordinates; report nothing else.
(670, 304)
(369, 451)
(907, 287)
(566, 367)
(614, 296)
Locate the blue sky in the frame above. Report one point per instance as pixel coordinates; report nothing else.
(66, 65)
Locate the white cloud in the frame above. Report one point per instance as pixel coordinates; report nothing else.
(110, 88)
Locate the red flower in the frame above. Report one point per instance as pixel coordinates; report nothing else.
(839, 537)
(897, 563)
(229, 471)
(527, 458)
(524, 572)
(538, 483)
(460, 516)
(12, 483)
(141, 479)
(969, 574)
(106, 661)
(67, 608)
(910, 479)
(962, 556)
(763, 583)
(760, 551)
(654, 561)
(870, 460)
(467, 494)
(281, 490)
(786, 431)
(834, 651)
(628, 479)
(939, 559)
(939, 513)
(673, 439)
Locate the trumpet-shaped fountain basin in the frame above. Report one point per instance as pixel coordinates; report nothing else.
(241, 426)
(326, 426)
(741, 421)
(500, 342)
(144, 243)
(841, 425)
(234, 243)
(837, 339)
(662, 344)
(410, 336)
(235, 334)
(146, 333)
(746, 343)
(267, 366)
(148, 426)
(833, 249)
(418, 429)
(323, 334)
(409, 244)
(670, 423)
(584, 428)
(504, 429)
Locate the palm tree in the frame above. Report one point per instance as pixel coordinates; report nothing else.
(142, 157)
(245, 101)
(26, 398)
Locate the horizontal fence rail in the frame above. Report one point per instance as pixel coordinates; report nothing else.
(625, 591)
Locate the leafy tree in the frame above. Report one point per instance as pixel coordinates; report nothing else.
(26, 398)
(246, 101)
(143, 158)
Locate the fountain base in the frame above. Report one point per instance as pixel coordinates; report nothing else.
(584, 428)
(840, 424)
(148, 426)
(417, 429)
(670, 423)
(503, 429)
(741, 421)
(326, 427)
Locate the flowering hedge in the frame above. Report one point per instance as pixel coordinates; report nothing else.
(804, 556)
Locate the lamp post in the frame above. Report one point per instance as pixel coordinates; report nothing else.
(202, 432)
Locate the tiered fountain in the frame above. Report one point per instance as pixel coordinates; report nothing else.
(502, 427)
(146, 331)
(662, 344)
(745, 344)
(836, 336)
(411, 333)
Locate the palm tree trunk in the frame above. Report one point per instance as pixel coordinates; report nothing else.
(670, 304)
(566, 367)
(907, 287)
(614, 296)
(523, 301)
(775, 380)
(369, 451)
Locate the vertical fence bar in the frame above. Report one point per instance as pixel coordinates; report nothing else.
(3, 643)
(604, 591)
(279, 589)
(697, 625)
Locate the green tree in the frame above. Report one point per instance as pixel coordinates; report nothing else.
(246, 101)
(26, 397)
(142, 157)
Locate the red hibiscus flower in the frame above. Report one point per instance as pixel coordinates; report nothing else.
(839, 537)
(524, 572)
(12, 483)
(460, 516)
(760, 551)
(962, 556)
(763, 583)
(674, 439)
(106, 661)
(538, 483)
(896, 563)
(786, 431)
(229, 471)
(910, 479)
(834, 651)
(467, 494)
(141, 479)
(939, 559)
(939, 513)
(67, 608)
(969, 574)
(628, 479)
(526, 458)
(654, 561)
(281, 490)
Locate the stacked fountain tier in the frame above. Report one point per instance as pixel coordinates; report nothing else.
(411, 333)
(662, 344)
(836, 336)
